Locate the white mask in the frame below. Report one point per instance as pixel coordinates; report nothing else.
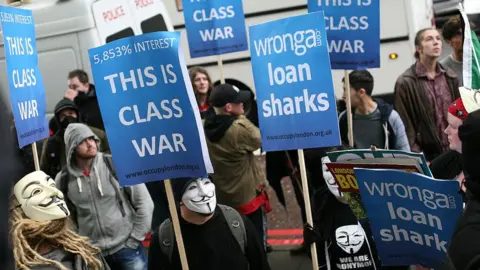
(350, 238)
(39, 197)
(199, 196)
(330, 180)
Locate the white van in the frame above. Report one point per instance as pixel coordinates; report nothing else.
(400, 20)
(67, 29)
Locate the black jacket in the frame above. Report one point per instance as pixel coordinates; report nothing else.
(89, 109)
(211, 246)
(464, 250)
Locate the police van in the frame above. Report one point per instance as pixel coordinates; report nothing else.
(66, 29)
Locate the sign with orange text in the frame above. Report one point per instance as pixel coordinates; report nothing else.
(345, 175)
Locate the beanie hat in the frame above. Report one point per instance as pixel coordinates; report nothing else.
(458, 110)
(65, 104)
(179, 185)
(469, 134)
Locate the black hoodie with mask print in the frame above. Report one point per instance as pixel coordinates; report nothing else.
(53, 158)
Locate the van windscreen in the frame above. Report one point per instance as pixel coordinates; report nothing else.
(127, 32)
(154, 24)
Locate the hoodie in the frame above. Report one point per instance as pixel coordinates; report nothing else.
(231, 141)
(53, 158)
(94, 196)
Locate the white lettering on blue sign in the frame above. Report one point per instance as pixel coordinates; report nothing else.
(214, 27)
(27, 94)
(353, 28)
(294, 83)
(146, 101)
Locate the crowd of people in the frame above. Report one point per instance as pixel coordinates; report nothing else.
(73, 214)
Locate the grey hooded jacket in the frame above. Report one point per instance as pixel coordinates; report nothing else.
(98, 212)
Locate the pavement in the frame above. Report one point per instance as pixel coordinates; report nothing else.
(281, 260)
(285, 229)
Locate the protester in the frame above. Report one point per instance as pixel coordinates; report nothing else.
(452, 34)
(231, 140)
(53, 157)
(115, 219)
(448, 164)
(464, 250)
(422, 96)
(216, 237)
(202, 86)
(41, 233)
(339, 236)
(83, 93)
(374, 121)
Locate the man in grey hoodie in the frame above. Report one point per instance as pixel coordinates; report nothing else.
(116, 219)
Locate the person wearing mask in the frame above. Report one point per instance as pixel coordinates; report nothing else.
(53, 157)
(374, 121)
(422, 96)
(115, 219)
(340, 238)
(202, 87)
(231, 140)
(41, 232)
(464, 250)
(453, 35)
(83, 93)
(216, 237)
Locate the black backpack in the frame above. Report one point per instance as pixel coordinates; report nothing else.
(166, 234)
(63, 187)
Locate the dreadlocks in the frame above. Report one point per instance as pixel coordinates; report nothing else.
(27, 235)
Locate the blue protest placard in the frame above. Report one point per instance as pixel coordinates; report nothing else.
(27, 93)
(293, 82)
(353, 30)
(214, 27)
(412, 216)
(148, 106)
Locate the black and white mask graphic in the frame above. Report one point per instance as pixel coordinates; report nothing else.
(350, 238)
(199, 196)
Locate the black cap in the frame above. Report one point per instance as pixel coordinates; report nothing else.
(226, 93)
(469, 133)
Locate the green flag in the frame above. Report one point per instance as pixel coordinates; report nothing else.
(471, 55)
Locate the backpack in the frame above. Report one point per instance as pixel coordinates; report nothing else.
(63, 187)
(166, 234)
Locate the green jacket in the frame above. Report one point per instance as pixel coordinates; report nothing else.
(53, 157)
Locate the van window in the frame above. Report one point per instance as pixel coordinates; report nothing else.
(127, 32)
(154, 24)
